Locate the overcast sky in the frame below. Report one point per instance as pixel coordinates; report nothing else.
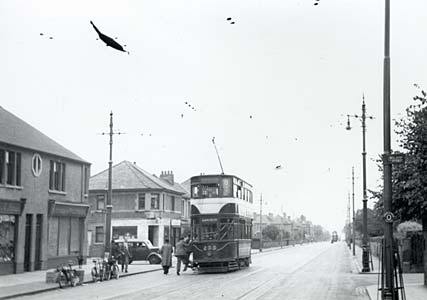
(273, 88)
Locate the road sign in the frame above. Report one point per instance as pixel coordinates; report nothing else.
(396, 158)
(388, 217)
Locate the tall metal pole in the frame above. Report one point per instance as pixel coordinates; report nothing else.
(260, 223)
(354, 217)
(349, 222)
(365, 249)
(389, 290)
(110, 191)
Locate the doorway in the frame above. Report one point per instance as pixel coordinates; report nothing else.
(27, 246)
(153, 235)
(38, 261)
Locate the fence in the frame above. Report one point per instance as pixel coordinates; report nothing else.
(411, 249)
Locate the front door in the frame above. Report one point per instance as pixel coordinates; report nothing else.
(38, 261)
(27, 246)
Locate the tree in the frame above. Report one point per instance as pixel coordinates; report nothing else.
(271, 232)
(409, 180)
(375, 222)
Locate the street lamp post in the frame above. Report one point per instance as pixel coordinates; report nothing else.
(260, 223)
(389, 291)
(365, 245)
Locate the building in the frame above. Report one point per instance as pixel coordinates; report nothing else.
(144, 206)
(283, 223)
(43, 199)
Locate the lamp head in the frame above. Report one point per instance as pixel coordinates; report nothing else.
(348, 127)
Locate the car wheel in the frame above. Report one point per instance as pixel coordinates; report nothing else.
(153, 260)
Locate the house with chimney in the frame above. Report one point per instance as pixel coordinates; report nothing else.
(144, 207)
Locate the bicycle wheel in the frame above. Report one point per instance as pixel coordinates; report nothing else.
(62, 280)
(94, 274)
(115, 271)
(75, 279)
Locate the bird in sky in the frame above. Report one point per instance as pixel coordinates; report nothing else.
(107, 40)
(278, 167)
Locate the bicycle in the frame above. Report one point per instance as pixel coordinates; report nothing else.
(67, 276)
(113, 268)
(98, 270)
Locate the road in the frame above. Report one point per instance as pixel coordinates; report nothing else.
(311, 271)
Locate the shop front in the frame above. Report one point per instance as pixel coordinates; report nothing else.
(10, 210)
(66, 232)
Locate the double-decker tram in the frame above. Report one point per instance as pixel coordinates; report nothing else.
(221, 222)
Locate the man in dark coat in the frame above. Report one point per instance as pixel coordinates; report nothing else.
(188, 245)
(166, 252)
(125, 255)
(180, 254)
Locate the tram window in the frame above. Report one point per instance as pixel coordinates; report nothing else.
(226, 229)
(195, 191)
(209, 231)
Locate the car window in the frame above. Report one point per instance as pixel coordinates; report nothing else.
(143, 245)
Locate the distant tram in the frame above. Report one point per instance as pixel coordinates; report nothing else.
(221, 222)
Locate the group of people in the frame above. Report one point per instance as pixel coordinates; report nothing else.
(183, 250)
(121, 253)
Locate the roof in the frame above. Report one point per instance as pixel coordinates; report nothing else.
(17, 132)
(128, 176)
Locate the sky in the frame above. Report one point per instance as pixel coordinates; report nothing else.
(274, 89)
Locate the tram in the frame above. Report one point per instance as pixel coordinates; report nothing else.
(221, 222)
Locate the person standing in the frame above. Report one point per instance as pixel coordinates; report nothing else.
(125, 255)
(166, 252)
(180, 254)
(188, 246)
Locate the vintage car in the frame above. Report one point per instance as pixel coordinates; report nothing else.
(142, 250)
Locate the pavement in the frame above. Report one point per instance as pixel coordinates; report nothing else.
(413, 282)
(29, 283)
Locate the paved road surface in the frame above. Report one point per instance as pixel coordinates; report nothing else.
(314, 271)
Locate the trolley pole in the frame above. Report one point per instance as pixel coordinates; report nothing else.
(109, 205)
(354, 217)
(260, 223)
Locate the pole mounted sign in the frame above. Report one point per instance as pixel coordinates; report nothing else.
(396, 158)
(388, 217)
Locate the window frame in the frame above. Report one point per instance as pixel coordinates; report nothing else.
(156, 198)
(97, 233)
(141, 200)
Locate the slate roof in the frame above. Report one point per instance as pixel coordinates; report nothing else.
(17, 132)
(128, 176)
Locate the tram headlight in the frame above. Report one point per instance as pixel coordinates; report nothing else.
(209, 253)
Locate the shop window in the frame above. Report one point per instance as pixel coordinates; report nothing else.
(57, 176)
(99, 234)
(53, 236)
(36, 164)
(155, 201)
(7, 238)
(141, 201)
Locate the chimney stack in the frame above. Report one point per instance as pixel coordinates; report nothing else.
(167, 176)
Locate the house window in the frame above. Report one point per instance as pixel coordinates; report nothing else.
(100, 202)
(173, 203)
(99, 234)
(141, 201)
(155, 201)
(36, 165)
(86, 180)
(57, 176)
(10, 167)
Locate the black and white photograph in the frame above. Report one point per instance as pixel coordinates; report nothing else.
(213, 149)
